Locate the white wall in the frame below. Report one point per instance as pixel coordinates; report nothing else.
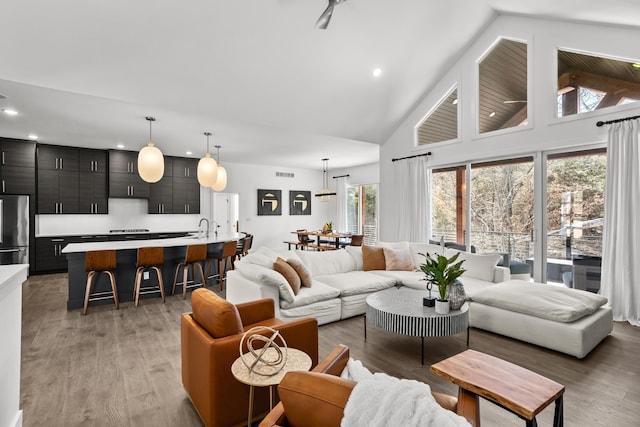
(243, 179)
(360, 175)
(273, 230)
(544, 131)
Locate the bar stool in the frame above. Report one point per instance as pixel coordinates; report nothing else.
(97, 262)
(214, 253)
(225, 260)
(148, 259)
(196, 255)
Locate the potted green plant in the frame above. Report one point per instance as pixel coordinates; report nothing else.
(442, 272)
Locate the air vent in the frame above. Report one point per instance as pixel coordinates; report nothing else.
(285, 174)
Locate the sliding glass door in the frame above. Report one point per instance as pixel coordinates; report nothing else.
(575, 216)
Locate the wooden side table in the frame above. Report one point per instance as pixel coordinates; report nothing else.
(510, 386)
(297, 360)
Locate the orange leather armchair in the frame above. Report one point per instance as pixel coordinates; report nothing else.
(318, 398)
(210, 337)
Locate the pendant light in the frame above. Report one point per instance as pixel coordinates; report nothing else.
(326, 193)
(221, 181)
(150, 160)
(207, 168)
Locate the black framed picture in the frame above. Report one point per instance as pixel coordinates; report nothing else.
(299, 202)
(269, 202)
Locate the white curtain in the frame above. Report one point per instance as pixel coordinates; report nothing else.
(413, 208)
(340, 223)
(620, 281)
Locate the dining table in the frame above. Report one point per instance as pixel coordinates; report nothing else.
(329, 235)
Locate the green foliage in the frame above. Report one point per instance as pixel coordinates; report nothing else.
(442, 271)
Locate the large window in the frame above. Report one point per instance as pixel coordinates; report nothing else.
(503, 87)
(362, 211)
(502, 207)
(591, 82)
(441, 124)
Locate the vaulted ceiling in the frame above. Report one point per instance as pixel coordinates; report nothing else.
(256, 73)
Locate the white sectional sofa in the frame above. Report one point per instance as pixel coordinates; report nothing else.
(341, 280)
(340, 283)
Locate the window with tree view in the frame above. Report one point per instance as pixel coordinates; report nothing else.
(591, 82)
(362, 211)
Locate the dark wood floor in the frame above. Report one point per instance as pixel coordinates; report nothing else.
(122, 367)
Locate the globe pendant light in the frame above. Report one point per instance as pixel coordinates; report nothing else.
(207, 168)
(221, 181)
(150, 160)
(326, 193)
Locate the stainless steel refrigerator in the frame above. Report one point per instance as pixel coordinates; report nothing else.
(14, 230)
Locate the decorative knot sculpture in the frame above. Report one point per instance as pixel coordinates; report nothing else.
(268, 359)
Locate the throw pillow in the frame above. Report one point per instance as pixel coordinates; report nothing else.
(289, 274)
(216, 315)
(397, 259)
(372, 258)
(302, 270)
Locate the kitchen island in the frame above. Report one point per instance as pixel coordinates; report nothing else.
(126, 255)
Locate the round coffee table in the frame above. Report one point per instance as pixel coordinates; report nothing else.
(297, 360)
(400, 310)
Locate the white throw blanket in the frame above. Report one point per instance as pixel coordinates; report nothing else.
(380, 400)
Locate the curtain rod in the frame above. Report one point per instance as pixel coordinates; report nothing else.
(341, 176)
(608, 122)
(411, 157)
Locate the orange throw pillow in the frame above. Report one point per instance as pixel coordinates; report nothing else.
(372, 258)
(289, 274)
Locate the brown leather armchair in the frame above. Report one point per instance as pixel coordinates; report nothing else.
(210, 337)
(318, 398)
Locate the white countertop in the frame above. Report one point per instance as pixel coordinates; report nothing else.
(135, 244)
(9, 272)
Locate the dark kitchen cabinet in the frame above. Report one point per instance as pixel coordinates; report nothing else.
(124, 181)
(92, 191)
(49, 256)
(186, 196)
(186, 188)
(58, 192)
(161, 196)
(17, 167)
(54, 157)
(93, 161)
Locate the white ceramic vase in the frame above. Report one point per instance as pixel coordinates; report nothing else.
(442, 307)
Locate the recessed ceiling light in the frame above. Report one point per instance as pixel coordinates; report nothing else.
(9, 112)
(492, 114)
(120, 146)
(455, 101)
(32, 136)
(377, 72)
(189, 153)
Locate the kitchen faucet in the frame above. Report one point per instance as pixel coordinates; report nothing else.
(200, 225)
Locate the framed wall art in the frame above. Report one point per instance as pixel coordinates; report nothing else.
(299, 202)
(269, 202)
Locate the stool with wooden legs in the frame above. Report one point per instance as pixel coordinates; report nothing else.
(148, 259)
(196, 255)
(225, 260)
(97, 262)
(214, 253)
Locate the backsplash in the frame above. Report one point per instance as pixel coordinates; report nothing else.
(123, 214)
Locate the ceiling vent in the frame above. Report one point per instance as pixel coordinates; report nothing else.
(285, 174)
